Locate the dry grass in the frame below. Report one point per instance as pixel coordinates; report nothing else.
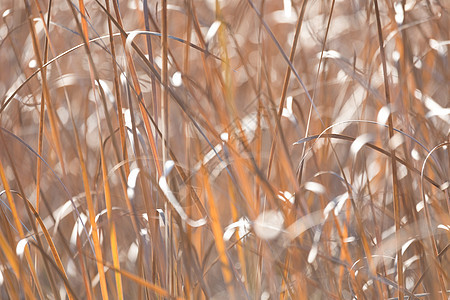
(224, 149)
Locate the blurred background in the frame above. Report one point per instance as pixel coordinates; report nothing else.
(217, 149)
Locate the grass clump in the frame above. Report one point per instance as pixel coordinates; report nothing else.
(224, 149)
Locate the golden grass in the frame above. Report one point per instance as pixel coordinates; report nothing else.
(224, 149)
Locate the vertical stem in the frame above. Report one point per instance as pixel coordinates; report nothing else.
(165, 132)
(396, 199)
